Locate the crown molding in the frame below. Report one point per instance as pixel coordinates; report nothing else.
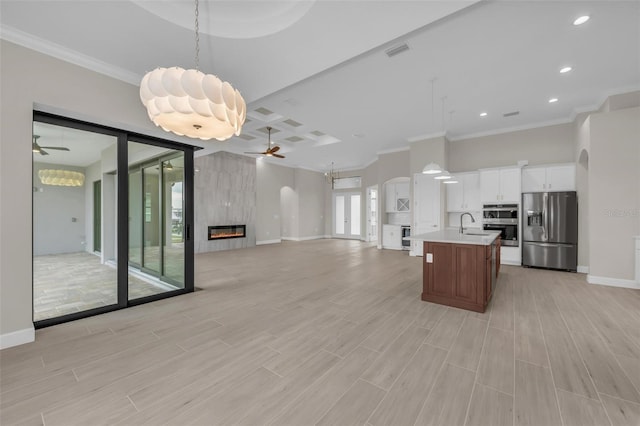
(426, 136)
(68, 55)
(511, 129)
(392, 150)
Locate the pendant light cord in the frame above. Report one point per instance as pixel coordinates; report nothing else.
(197, 26)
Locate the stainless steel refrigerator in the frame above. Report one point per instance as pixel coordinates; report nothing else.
(550, 230)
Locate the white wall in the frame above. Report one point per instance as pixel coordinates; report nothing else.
(542, 145)
(310, 188)
(582, 132)
(288, 213)
(614, 199)
(29, 79)
(59, 215)
(270, 179)
(290, 203)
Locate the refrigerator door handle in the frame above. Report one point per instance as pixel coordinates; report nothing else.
(545, 216)
(531, 243)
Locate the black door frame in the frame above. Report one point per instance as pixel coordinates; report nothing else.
(122, 221)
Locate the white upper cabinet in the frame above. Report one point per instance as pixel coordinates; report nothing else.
(499, 186)
(464, 195)
(549, 178)
(390, 197)
(397, 197)
(402, 189)
(561, 178)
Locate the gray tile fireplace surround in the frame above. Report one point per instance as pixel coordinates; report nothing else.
(225, 194)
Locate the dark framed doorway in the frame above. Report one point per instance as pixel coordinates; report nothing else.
(82, 219)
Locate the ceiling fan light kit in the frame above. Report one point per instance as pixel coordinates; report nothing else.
(191, 103)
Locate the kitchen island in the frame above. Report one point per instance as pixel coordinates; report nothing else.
(460, 269)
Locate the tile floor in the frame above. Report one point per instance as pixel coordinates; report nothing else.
(334, 332)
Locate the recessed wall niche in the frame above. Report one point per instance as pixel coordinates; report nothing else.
(225, 194)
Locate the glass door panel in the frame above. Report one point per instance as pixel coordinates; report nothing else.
(151, 219)
(339, 215)
(74, 221)
(346, 215)
(355, 214)
(156, 224)
(173, 223)
(135, 218)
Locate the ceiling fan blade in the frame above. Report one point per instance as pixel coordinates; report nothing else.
(274, 149)
(260, 153)
(43, 152)
(59, 148)
(278, 155)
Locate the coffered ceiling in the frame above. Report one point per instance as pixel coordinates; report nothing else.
(318, 71)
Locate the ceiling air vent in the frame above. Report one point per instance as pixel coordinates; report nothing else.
(246, 137)
(317, 133)
(294, 139)
(511, 114)
(292, 123)
(263, 111)
(396, 50)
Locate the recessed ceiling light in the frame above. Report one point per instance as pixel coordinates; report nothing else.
(483, 114)
(581, 20)
(565, 70)
(553, 100)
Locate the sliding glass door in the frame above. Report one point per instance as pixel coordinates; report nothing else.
(112, 213)
(156, 220)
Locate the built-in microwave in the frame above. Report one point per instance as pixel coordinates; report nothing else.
(500, 211)
(502, 218)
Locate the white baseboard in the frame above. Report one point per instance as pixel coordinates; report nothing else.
(391, 248)
(613, 282)
(16, 338)
(259, 243)
(510, 262)
(314, 237)
(583, 269)
(328, 236)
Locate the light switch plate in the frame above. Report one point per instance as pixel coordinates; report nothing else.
(429, 258)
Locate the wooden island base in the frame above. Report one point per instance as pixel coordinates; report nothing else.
(460, 275)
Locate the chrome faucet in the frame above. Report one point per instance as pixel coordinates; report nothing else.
(461, 216)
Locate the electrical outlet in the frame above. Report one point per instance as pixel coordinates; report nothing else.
(429, 258)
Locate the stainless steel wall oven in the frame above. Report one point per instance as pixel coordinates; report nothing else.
(503, 218)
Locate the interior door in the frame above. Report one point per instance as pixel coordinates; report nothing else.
(346, 215)
(426, 216)
(372, 213)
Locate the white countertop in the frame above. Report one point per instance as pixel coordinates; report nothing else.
(453, 236)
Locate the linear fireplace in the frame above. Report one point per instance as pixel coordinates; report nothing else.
(227, 231)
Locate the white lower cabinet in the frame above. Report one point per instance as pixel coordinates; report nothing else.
(510, 255)
(392, 237)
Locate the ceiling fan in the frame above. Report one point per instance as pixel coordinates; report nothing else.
(40, 149)
(271, 150)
